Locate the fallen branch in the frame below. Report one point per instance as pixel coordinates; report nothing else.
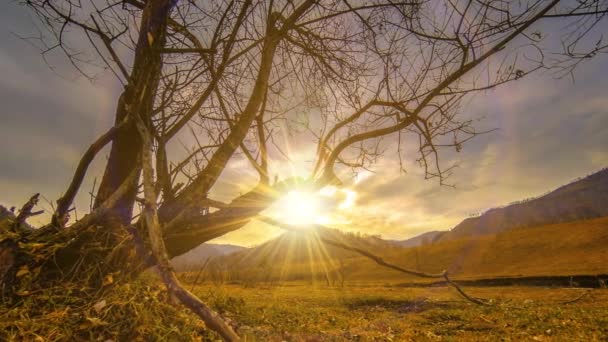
(581, 296)
(475, 300)
(378, 260)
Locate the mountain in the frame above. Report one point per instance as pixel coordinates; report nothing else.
(306, 246)
(298, 255)
(195, 258)
(420, 240)
(582, 199)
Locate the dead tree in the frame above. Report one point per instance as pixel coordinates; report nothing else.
(229, 75)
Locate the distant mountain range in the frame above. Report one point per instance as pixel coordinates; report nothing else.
(582, 199)
(299, 255)
(289, 248)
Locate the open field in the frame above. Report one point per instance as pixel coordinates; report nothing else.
(141, 310)
(368, 312)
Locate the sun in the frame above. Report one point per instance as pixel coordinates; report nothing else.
(305, 209)
(301, 208)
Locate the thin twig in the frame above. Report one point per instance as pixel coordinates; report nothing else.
(200, 271)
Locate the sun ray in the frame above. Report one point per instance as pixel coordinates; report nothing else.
(324, 254)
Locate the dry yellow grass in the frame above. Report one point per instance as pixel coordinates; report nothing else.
(301, 312)
(368, 308)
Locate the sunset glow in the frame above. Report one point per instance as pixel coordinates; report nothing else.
(306, 208)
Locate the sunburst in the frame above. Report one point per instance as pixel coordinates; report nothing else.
(301, 208)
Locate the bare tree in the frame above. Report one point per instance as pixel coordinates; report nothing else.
(228, 75)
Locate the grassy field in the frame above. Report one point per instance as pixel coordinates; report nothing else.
(141, 310)
(371, 306)
(367, 312)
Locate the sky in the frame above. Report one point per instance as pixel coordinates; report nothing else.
(548, 132)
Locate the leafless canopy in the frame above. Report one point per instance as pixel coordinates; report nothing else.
(351, 72)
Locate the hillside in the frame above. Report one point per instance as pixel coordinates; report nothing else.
(195, 258)
(570, 248)
(304, 246)
(299, 255)
(582, 199)
(419, 240)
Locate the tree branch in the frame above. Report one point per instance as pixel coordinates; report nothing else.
(65, 201)
(378, 260)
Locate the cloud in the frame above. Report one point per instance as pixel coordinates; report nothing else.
(47, 119)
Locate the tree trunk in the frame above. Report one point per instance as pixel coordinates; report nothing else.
(123, 160)
(136, 99)
(92, 251)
